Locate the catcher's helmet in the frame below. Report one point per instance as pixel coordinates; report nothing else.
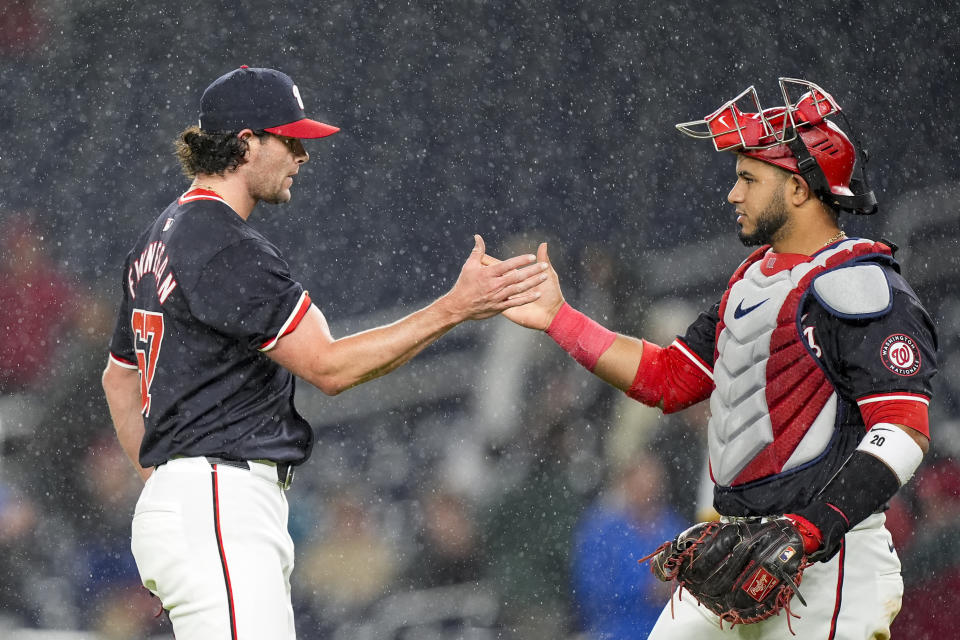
(795, 137)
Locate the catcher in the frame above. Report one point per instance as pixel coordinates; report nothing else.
(817, 362)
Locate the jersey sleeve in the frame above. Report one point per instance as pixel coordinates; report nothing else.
(883, 364)
(246, 292)
(121, 343)
(680, 375)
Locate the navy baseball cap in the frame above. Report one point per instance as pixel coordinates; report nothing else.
(258, 99)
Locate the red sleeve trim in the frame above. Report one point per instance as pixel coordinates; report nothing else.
(122, 362)
(896, 395)
(303, 305)
(672, 378)
(908, 409)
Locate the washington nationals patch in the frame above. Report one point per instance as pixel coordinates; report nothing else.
(900, 354)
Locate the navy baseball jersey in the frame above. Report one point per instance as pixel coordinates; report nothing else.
(204, 296)
(800, 357)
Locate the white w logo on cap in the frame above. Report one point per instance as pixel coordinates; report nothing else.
(296, 94)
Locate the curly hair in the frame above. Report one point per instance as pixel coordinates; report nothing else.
(210, 152)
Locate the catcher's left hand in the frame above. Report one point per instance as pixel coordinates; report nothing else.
(743, 571)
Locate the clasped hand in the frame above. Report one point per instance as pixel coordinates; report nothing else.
(487, 286)
(536, 313)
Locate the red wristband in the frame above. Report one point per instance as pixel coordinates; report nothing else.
(580, 336)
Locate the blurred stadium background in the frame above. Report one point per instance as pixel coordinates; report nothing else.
(463, 496)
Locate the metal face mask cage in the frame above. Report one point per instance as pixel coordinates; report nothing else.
(731, 129)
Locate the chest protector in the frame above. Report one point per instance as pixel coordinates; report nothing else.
(773, 408)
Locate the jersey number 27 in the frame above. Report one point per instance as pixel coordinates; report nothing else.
(148, 336)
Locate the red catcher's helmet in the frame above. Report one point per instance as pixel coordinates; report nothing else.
(828, 145)
(795, 137)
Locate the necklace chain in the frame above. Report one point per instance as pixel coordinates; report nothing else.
(840, 236)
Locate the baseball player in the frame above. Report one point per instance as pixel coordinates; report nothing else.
(211, 331)
(816, 360)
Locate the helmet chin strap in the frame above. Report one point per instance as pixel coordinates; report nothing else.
(863, 202)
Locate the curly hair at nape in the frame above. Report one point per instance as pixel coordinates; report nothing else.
(210, 152)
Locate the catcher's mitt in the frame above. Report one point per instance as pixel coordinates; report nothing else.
(743, 571)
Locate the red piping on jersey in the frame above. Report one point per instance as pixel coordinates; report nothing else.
(893, 395)
(704, 366)
(201, 194)
(292, 322)
(123, 362)
(839, 598)
(223, 556)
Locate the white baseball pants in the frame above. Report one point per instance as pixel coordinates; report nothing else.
(211, 542)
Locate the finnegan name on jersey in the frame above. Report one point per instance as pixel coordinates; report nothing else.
(153, 260)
